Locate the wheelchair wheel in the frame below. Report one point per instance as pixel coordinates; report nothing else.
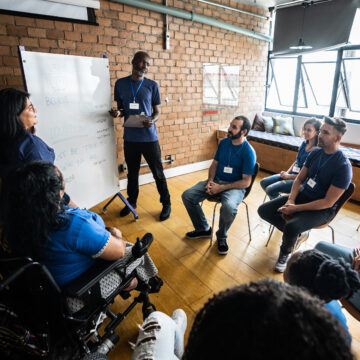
(95, 356)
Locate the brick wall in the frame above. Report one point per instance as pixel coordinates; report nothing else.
(123, 30)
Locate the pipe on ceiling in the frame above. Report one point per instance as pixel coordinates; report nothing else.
(187, 15)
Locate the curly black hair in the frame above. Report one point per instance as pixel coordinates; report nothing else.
(325, 277)
(30, 207)
(266, 319)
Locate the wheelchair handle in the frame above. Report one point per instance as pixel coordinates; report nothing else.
(142, 246)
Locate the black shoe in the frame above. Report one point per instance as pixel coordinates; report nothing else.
(223, 248)
(126, 210)
(165, 212)
(281, 262)
(196, 234)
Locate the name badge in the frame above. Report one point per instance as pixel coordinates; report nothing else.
(311, 183)
(134, 106)
(228, 170)
(296, 169)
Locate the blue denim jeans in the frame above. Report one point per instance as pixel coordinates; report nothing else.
(274, 185)
(230, 200)
(338, 251)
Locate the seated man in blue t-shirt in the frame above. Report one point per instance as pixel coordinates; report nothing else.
(325, 176)
(229, 176)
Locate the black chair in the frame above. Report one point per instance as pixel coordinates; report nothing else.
(217, 201)
(38, 319)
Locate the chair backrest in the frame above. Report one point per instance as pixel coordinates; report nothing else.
(253, 177)
(344, 197)
(29, 289)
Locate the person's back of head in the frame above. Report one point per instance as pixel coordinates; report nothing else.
(266, 319)
(30, 204)
(323, 276)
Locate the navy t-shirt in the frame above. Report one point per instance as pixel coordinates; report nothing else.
(241, 158)
(301, 156)
(326, 169)
(25, 150)
(147, 96)
(73, 249)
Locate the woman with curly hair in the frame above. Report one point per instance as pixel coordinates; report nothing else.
(327, 278)
(36, 223)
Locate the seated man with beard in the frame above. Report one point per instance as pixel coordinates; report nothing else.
(229, 176)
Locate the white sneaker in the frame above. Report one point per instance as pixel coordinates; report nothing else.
(179, 316)
(301, 238)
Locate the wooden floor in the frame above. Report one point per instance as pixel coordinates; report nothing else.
(193, 272)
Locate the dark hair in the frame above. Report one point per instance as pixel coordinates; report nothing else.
(316, 123)
(266, 319)
(338, 124)
(138, 55)
(12, 104)
(321, 275)
(245, 125)
(30, 205)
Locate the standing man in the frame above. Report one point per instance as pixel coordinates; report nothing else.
(229, 176)
(325, 176)
(135, 95)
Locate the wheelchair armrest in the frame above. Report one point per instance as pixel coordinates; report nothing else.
(80, 285)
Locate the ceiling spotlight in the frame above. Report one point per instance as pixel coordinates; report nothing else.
(300, 46)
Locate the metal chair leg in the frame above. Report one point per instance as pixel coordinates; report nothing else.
(332, 234)
(248, 219)
(358, 228)
(271, 232)
(265, 197)
(213, 223)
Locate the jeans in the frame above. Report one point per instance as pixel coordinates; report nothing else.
(160, 338)
(274, 185)
(152, 154)
(299, 222)
(230, 200)
(337, 251)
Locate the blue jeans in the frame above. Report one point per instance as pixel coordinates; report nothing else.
(274, 185)
(337, 251)
(230, 200)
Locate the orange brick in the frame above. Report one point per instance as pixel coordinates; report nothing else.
(24, 21)
(46, 24)
(74, 36)
(7, 19)
(36, 32)
(62, 25)
(48, 43)
(55, 34)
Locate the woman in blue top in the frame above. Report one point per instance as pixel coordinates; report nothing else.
(37, 224)
(325, 277)
(282, 183)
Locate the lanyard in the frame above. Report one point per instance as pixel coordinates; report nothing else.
(237, 152)
(132, 89)
(324, 163)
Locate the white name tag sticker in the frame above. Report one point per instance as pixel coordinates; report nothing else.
(296, 169)
(134, 106)
(311, 183)
(228, 170)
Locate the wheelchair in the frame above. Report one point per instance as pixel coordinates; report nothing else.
(38, 320)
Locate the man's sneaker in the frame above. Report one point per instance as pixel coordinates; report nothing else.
(281, 262)
(197, 234)
(165, 212)
(126, 210)
(301, 238)
(223, 248)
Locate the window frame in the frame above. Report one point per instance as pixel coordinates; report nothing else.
(338, 81)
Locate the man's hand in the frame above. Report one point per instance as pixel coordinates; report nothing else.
(355, 260)
(213, 188)
(287, 209)
(116, 113)
(148, 123)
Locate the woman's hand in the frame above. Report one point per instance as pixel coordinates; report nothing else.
(355, 259)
